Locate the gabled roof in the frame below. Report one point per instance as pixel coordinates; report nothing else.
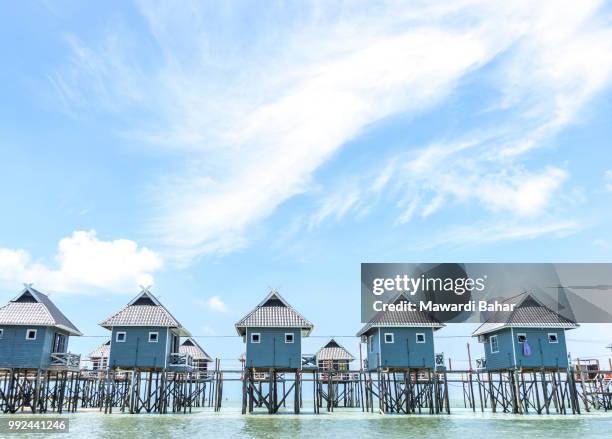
(191, 347)
(528, 312)
(274, 312)
(407, 319)
(333, 351)
(31, 307)
(144, 310)
(102, 351)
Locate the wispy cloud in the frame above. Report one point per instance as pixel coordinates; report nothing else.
(544, 78)
(257, 117)
(83, 264)
(422, 182)
(484, 233)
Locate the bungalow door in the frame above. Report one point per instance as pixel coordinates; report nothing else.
(59, 342)
(175, 343)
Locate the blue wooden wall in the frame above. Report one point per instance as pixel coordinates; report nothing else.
(404, 352)
(272, 351)
(504, 359)
(137, 351)
(17, 352)
(543, 353)
(373, 350)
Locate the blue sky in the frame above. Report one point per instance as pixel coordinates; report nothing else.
(216, 151)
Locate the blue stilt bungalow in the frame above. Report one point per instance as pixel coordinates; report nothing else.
(273, 334)
(144, 335)
(400, 339)
(98, 358)
(200, 358)
(333, 356)
(532, 336)
(34, 334)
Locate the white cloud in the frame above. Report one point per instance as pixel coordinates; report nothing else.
(257, 117)
(84, 264)
(521, 193)
(215, 303)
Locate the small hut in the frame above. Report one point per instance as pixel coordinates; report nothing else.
(531, 336)
(333, 357)
(144, 335)
(200, 358)
(400, 339)
(99, 356)
(273, 334)
(34, 334)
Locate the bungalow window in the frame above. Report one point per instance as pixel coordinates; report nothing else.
(552, 337)
(371, 339)
(255, 337)
(420, 337)
(289, 337)
(521, 337)
(120, 337)
(153, 337)
(494, 344)
(31, 334)
(389, 337)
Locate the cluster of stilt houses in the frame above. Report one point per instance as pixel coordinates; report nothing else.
(152, 364)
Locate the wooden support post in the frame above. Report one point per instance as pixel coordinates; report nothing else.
(545, 392)
(534, 377)
(446, 397)
(315, 391)
(491, 396)
(36, 390)
(271, 406)
(330, 392)
(471, 381)
(480, 386)
(297, 391)
(245, 373)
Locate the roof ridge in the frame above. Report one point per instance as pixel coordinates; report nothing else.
(271, 294)
(492, 316)
(196, 345)
(299, 314)
(261, 305)
(339, 346)
(157, 304)
(249, 314)
(46, 308)
(27, 289)
(149, 294)
(112, 316)
(159, 307)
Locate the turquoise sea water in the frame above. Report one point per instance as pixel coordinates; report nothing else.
(343, 423)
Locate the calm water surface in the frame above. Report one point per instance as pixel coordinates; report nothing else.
(343, 423)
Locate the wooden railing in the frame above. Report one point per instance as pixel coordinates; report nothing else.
(65, 359)
(180, 359)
